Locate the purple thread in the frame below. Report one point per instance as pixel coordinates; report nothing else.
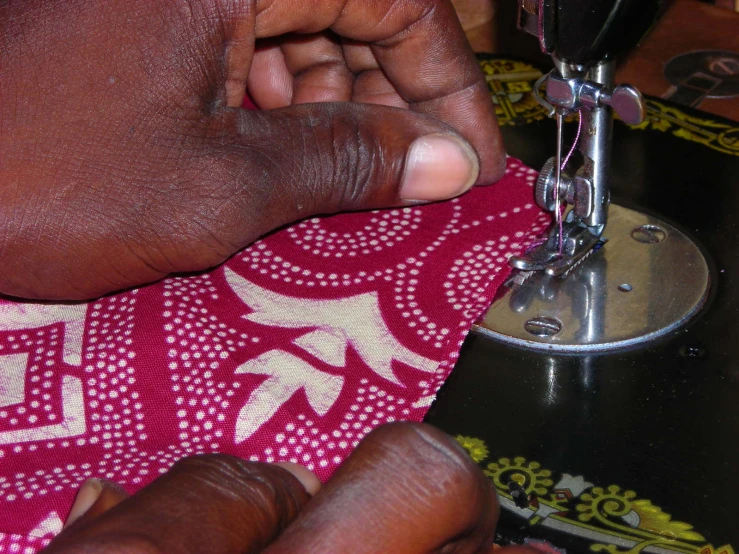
(560, 207)
(574, 144)
(536, 243)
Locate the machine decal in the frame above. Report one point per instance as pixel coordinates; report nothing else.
(615, 520)
(721, 136)
(510, 83)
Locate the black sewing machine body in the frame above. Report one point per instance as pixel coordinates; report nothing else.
(653, 431)
(585, 31)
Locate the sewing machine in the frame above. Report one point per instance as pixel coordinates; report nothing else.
(600, 390)
(559, 298)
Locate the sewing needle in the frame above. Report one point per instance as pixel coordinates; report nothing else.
(558, 177)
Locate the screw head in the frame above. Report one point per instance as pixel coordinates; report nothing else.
(648, 234)
(543, 326)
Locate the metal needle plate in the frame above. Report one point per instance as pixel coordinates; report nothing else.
(646, 281)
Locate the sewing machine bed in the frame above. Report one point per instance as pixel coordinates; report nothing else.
(627, 451)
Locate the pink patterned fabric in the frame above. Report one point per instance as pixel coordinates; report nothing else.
(294, 350)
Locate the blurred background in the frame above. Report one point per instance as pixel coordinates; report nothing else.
(688, 26)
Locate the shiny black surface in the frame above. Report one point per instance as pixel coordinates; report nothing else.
(583, 31)
(662, 420)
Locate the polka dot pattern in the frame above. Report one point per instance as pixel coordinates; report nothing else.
(43, 347)
(293, 351)
(328, 238)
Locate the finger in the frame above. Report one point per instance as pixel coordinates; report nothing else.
(254, 171)
(205, 504)
(406, 488)
(323, 158)
(239, 49)
(270, 83)
(477, 19)
(421, 47)
(372, 87)
(359, 56)
(306, 477)
(95, 497)
(318, 68)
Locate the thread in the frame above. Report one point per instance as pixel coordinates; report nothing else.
(560, 207)
(536, 244)
(574, 144)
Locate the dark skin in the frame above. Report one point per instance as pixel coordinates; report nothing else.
(125, 157)
(406, 489)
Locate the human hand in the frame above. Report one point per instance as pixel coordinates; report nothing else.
(124, 156)
(478, 21)
(406, 489)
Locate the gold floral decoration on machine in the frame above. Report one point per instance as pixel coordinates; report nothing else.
(615, 520)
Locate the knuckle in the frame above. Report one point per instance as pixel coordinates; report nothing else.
(360, 164)
(335, 162)
(257, 484)
(352, 167)
(317, 159)
(323, 159)
(450, 493)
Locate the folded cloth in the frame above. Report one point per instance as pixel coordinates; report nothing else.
(292, 351)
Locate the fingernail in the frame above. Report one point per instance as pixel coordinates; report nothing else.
(306, 477)
(438, 167)
(87, 495)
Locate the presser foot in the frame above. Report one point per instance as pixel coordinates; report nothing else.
(577, 243)
(646, 281)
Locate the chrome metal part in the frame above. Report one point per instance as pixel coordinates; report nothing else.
(545, 185)
(543, 326)
(574, 93)
(530, 13)
(630, 291)
(589, 90)
(537, 96)
(558, 179)
(627, 102)
(528, 16)
(649, 234)
(577, 243)
(575, 191)
(595, 146)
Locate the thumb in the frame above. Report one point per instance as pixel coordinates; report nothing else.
(328, 157)
(197, 197)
